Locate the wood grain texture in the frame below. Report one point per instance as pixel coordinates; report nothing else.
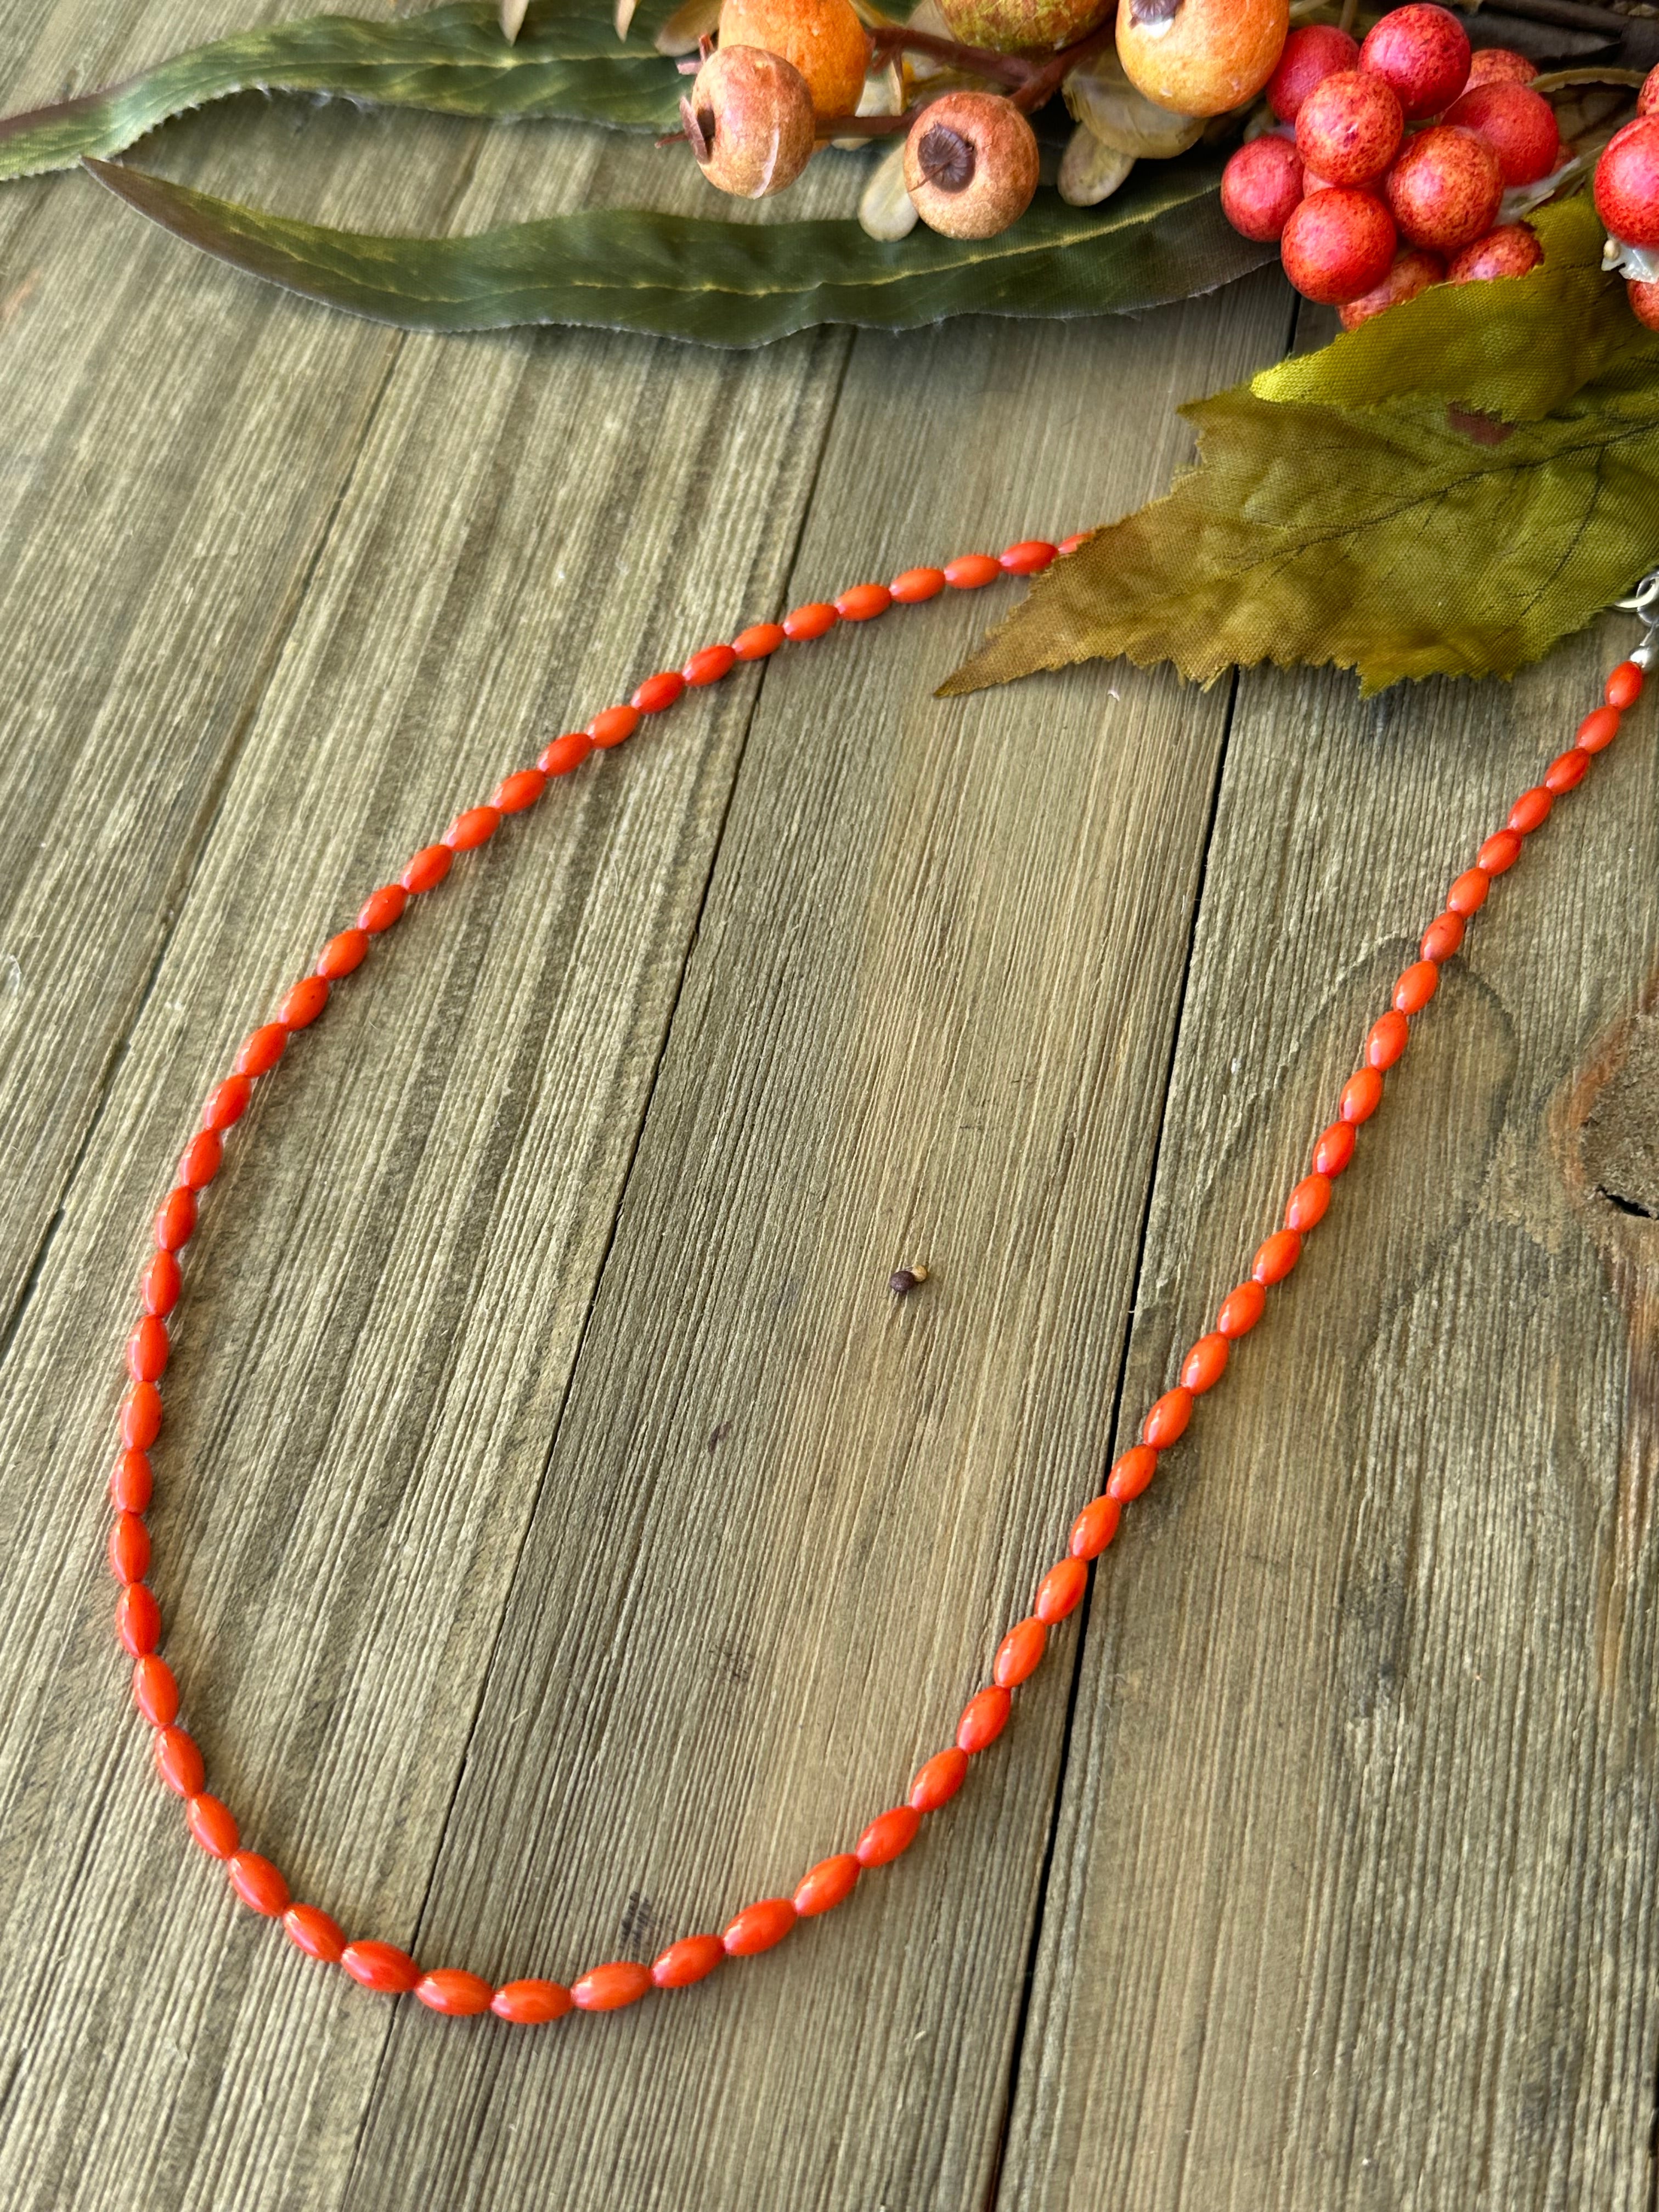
(1352, 1897)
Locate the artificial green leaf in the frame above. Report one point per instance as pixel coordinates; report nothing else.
(1163, 237)
(1401, 537)
(568, 61)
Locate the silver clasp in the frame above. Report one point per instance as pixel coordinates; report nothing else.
(1644, 603)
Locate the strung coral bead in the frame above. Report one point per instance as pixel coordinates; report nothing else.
(1240, 1310)
(971, 572)
(531, 2002)
(1306, 1205)
(1623, 686)
(1096, 1526)
(829, 1883)
(1416, 987)
(1598, 730)
(226, 1106)
(916, 585)
(564, 754)
(260, 1885)
(138, 1619)
(260, 1051)
(140, 1417)
(452, 1990)
(1388, 1036)
(342, 956)
(131, 1482)
(129, 1549)
(1500, 851)
(1362, 1094)
(203, 1156)
(1335, 1149)
(514, 794)
(147, 1350)
(382, 1967)
(154, 1691)
(179, 1761)
(984, 1719)
(1061, 1591)
(1020, 1654)
(887, 1836)
(657, 693)
(476, 827)
(212, 1826)
(1025, 559)
(1531, 811)
(1468, 894)
(758, 1926)
(1567, 771)
(1166, 1423)
(759, 641)
(175, 1224)
(1443, 937)
(864, 602)
(1276, 1257)
(709, 665)
(1205, 1364)
(813, 620)
(303, 1002)
(310, 1929)
(427, 870)
(161, 1283)
(1129, 1476)
(693, 1959)
(382, 909)
(938, 1781)
(611, 726)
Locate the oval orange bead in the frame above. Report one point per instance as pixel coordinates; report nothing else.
(531, 2003)
(212, 1826)
(1416, 986)
(140, 1417)
(1276, 1258)
(759, 639)
(131, 1482)
(1567, 771)
(1531, 811)
(1623, 686)
(1335, 1149)
(382, 909)
(1018, 1656)
(1443, 937)
(984, 1719)
(810, 621)
(887, 1836)
(454, 1992)
(1468, 894)
(1597, 731)
(146, 1357)
(1387, 1040)
(709, 665)
(261, 1050)
(1240, 1310)
(1061, 1591)
(342, 956)
(1069, 545)
(381, 1966)
(658, 692)
(1027, 558)
(154, 1691)
(476, 827)
(1166, 1423)
(179, 1761)
(916, 585)
(128, 1550)
(1500, 851)
(427, 870)
(610, 1987)
(226, 1106)
(1205, 1364)
(829, 1883)
(175, 1224)
(558, 759)
(759, 1926)
(971, 572)
(204, 1156)
(160, 1284)
(260, 1885)
(313, 1931)
(1096, 1526)
(612, 725)
(938, 1780)
(512, 795)
(863, 602)
(693, 1959)
(303, 1002)
(138, 1619)
(1362, 1094)
(1130, 1474)
(1306, 1206)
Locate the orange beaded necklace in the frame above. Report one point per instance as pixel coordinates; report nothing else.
(757, 1927)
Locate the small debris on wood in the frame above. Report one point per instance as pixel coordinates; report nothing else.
(906, 1280)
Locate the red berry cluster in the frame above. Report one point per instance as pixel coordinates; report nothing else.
(1627, 200)
(1367, 212)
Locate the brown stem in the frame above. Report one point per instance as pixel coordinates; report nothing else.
(973, 61)
(1047, 80)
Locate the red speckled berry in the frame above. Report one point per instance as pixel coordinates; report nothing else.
(1500, 65)
(1517, 123)
(1339, 244)
(1411, 272)
(1643, 301)
(1311, 54)
(1628, 182)
(1349, 127)
(1510, 251)
(1424, 53)
(1261, 188)
(1445, 189)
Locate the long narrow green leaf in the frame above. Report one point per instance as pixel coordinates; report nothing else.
(568, 61)
(732, 284)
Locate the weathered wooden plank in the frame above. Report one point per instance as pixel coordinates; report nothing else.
(927, 1017)
(528, 521)
(1353, 1901)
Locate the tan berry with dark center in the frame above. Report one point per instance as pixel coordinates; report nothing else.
(749, 121)
(823, 38)
(1011, 25)
(1201, 57)
(970, 164)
